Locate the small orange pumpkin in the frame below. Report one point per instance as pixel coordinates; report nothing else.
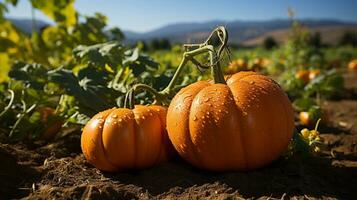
(314, 73)
(352, 65)
(121, 138)
(260, 63)
(303, 75)
(242, 125)
(52, 123)
(236, 66)
(305, 118)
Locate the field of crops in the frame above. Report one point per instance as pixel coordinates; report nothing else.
(216, 120)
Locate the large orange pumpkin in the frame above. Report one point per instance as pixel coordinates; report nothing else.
(243, 125)
(121, 138)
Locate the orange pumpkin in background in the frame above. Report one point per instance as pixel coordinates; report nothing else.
(121, 138)
(303, 75)
(352, 65)
(307, 75)
(314, 73)
(243, 125)
(236, 66)
(260, 63)
(52, 123)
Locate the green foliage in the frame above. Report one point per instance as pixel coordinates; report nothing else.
(315, 40)
(100, 54)
(325, 85)
(269, 43)
(61, 11)
(78, 67)
(349, 38)
(160, 44)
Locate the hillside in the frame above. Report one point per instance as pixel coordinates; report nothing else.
(250, 33)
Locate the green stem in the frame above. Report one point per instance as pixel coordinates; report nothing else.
(128, 103)
(160, 99)
(7, 108)
(187, 56)
(203, 48)
(216, 71)
(317, 124)
(18, 121)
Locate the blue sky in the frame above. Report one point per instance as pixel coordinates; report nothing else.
(145, 15)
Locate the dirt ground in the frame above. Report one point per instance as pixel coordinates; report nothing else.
(58, 170)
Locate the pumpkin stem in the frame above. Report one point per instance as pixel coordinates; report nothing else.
(206, 47)
(130, 96)
(216, 70)
(187, 56)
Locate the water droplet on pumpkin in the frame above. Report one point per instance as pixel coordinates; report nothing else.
(143, 117)
(115, 116)
(194, 118)
(206, 100)
(203, 117)
(219, 110)
(120, 120)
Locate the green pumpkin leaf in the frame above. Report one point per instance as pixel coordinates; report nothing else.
(89, 88)
(61, 11)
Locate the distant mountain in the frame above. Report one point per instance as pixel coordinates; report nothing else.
(239, 31)
(250, 33)
(329, 34)
(26, 24)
